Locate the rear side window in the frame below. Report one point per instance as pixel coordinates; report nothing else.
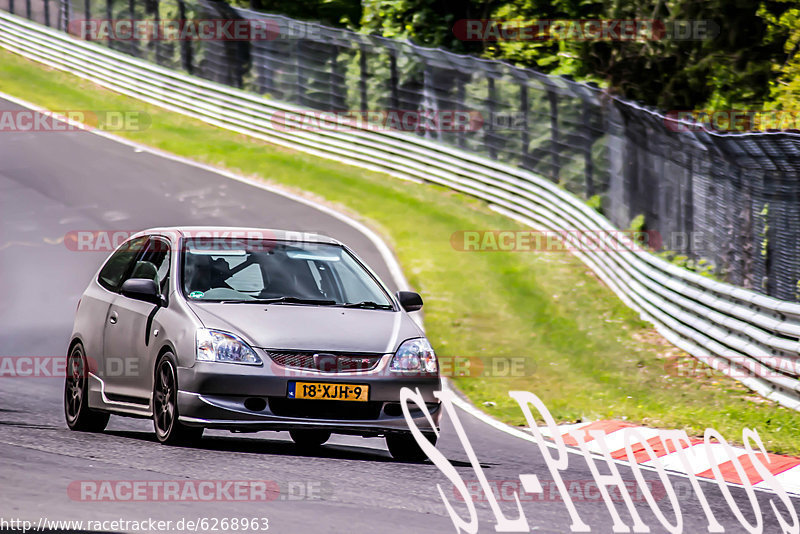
(118, 264)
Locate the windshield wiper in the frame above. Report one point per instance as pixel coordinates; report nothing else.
(368, 304)
(279, 300)
(296, 300)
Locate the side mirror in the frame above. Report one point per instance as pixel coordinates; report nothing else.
(145, 289)
(409, 300)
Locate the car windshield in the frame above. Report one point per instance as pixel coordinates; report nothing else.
(258, 270)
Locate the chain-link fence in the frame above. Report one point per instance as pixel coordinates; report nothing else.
(727, 201)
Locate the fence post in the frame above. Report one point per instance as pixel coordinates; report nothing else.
(460, 96)
(588, 162)
(362, 82)
(337, 95)
(63, 15)
(488, 137)
(688, 212)
(768, 223)
(11, 6)
(298, 74)
(554, 144)
(157, 34)
(524, 105)
(87, 15)
(394, 80)
(28, 9)
(109, 16)
(186, 44)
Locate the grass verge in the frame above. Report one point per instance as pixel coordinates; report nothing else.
(585, 354)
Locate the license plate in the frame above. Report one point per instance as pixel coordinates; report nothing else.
(323, 391)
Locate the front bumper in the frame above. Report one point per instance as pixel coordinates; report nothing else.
(253, 398)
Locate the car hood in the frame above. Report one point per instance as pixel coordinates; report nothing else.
(318, 328)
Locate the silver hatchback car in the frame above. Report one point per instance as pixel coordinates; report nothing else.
(248, 330)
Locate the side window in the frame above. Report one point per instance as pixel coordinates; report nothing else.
(119, 263)
(154, 263)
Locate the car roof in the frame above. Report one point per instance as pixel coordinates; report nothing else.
(237, 232)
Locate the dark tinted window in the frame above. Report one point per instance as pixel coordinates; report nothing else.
(117, 265)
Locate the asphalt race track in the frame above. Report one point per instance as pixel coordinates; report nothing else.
(52, 183)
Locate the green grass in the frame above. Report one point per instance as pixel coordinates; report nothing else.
(586, 355)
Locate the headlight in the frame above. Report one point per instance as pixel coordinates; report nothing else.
(216, 346)
(415, 355)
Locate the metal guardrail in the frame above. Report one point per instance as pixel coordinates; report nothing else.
(746, 335)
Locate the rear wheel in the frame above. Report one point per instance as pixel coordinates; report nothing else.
(169, 430)
(309, 439)
(76, 395)
(405, 448)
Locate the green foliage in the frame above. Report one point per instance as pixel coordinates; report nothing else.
(596, 203)
(331, 12)
(425, 22)
(637, 224)
(702, 267)
(785, 87)
(736, 67)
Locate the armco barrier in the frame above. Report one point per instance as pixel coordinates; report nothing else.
(743, 334)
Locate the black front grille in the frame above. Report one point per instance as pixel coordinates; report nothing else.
(325, 409)
(326, 362)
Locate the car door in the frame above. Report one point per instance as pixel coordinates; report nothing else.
(128, 337)
(96, 301)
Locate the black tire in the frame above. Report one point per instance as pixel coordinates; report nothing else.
(169, 430)
(405, 448)
(309, 439)
(76, 395)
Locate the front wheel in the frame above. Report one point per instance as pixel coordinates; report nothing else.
(169, 430)
(76, 395)
(405, 448)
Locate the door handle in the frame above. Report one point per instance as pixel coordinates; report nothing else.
(113, 318)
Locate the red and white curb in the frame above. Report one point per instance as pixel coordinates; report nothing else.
(786, 469)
